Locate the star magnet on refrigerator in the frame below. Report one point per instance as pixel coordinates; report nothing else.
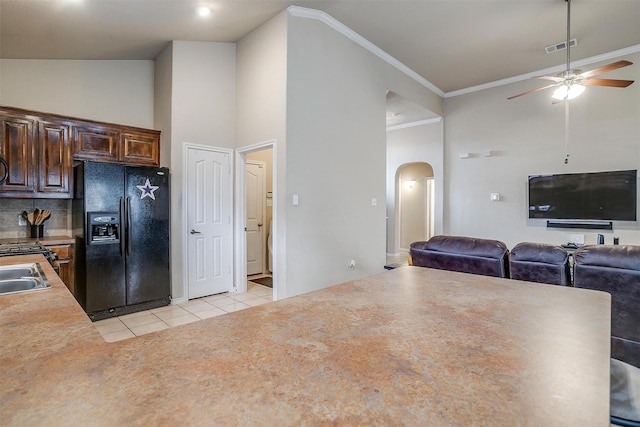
(147, 190)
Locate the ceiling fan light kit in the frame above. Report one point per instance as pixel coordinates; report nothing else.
(571, 83)
(568, 91)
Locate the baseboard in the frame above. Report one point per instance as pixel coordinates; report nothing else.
(176, 301)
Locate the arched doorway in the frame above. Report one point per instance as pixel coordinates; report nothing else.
(416, 203)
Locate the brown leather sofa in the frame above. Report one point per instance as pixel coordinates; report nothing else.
(616, 270)
(539, 262)
(463, 254)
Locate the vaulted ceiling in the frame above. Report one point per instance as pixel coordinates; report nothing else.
(454, 44)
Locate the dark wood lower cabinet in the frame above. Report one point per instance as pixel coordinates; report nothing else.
(64, 254)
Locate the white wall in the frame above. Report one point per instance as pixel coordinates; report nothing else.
(203, 94)
(109, 91)
(262, 114)
(336, 155)
(422, 143)
(261, 84)
(163, 86)
(202, 97)
(527, 137)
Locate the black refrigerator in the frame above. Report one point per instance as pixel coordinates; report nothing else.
(120, 217)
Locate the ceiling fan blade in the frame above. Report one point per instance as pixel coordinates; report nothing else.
(606, 82)
(533, 91)
(606, 68)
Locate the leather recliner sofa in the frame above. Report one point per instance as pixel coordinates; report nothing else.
(539, 262)
(462, 254)
(616, 270)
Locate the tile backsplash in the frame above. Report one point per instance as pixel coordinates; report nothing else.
(11, 209)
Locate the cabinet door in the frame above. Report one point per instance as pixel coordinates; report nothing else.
(139, 148)
(54, 159)
(18, 149)
(65, 262)
(95, 143)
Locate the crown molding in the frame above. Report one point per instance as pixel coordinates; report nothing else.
(414, 124)
(303, 12)
(558, 69)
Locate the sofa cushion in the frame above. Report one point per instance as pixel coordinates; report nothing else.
(539, 252)
(626, 257)
(539, 262)
(462, 254)
(469, 246)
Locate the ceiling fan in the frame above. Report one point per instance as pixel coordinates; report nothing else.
(571, 83)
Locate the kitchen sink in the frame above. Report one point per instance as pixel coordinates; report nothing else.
(16, 271)
(22, 278)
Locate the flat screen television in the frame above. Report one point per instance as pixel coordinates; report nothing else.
(600, 196)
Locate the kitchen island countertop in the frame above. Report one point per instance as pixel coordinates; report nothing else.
(410, 346)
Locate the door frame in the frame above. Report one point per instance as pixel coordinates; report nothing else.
(430, 208)
(241, 215)
(263, 202)
(185, 226)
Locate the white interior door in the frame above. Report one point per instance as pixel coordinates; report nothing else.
(254, 182)
(209, 227)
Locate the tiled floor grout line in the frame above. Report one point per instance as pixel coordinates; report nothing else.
(140, 323)
(116, 329)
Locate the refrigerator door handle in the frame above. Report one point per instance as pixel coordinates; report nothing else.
(122, 214)
(129, 226)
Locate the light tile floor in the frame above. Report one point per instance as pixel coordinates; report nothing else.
(401, 259)
(144, 322)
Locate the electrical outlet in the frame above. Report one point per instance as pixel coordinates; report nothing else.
(21, 220)
(578, 239)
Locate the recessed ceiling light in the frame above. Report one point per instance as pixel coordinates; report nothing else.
(203, 10)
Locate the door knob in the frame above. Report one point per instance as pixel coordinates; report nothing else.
(259, 224)
(194, 232)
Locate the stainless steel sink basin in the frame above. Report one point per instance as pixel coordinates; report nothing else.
(16, 272)
(17, 285)
(22, 278)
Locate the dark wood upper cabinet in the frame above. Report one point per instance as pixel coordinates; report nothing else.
(140, 148)
(17, 147)
(95, 143)
(117, 144)
(40, 149)
(54, 159)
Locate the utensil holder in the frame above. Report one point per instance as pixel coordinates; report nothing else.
(37, 231)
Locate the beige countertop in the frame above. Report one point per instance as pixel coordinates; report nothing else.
(46, 240)
(411, 346)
